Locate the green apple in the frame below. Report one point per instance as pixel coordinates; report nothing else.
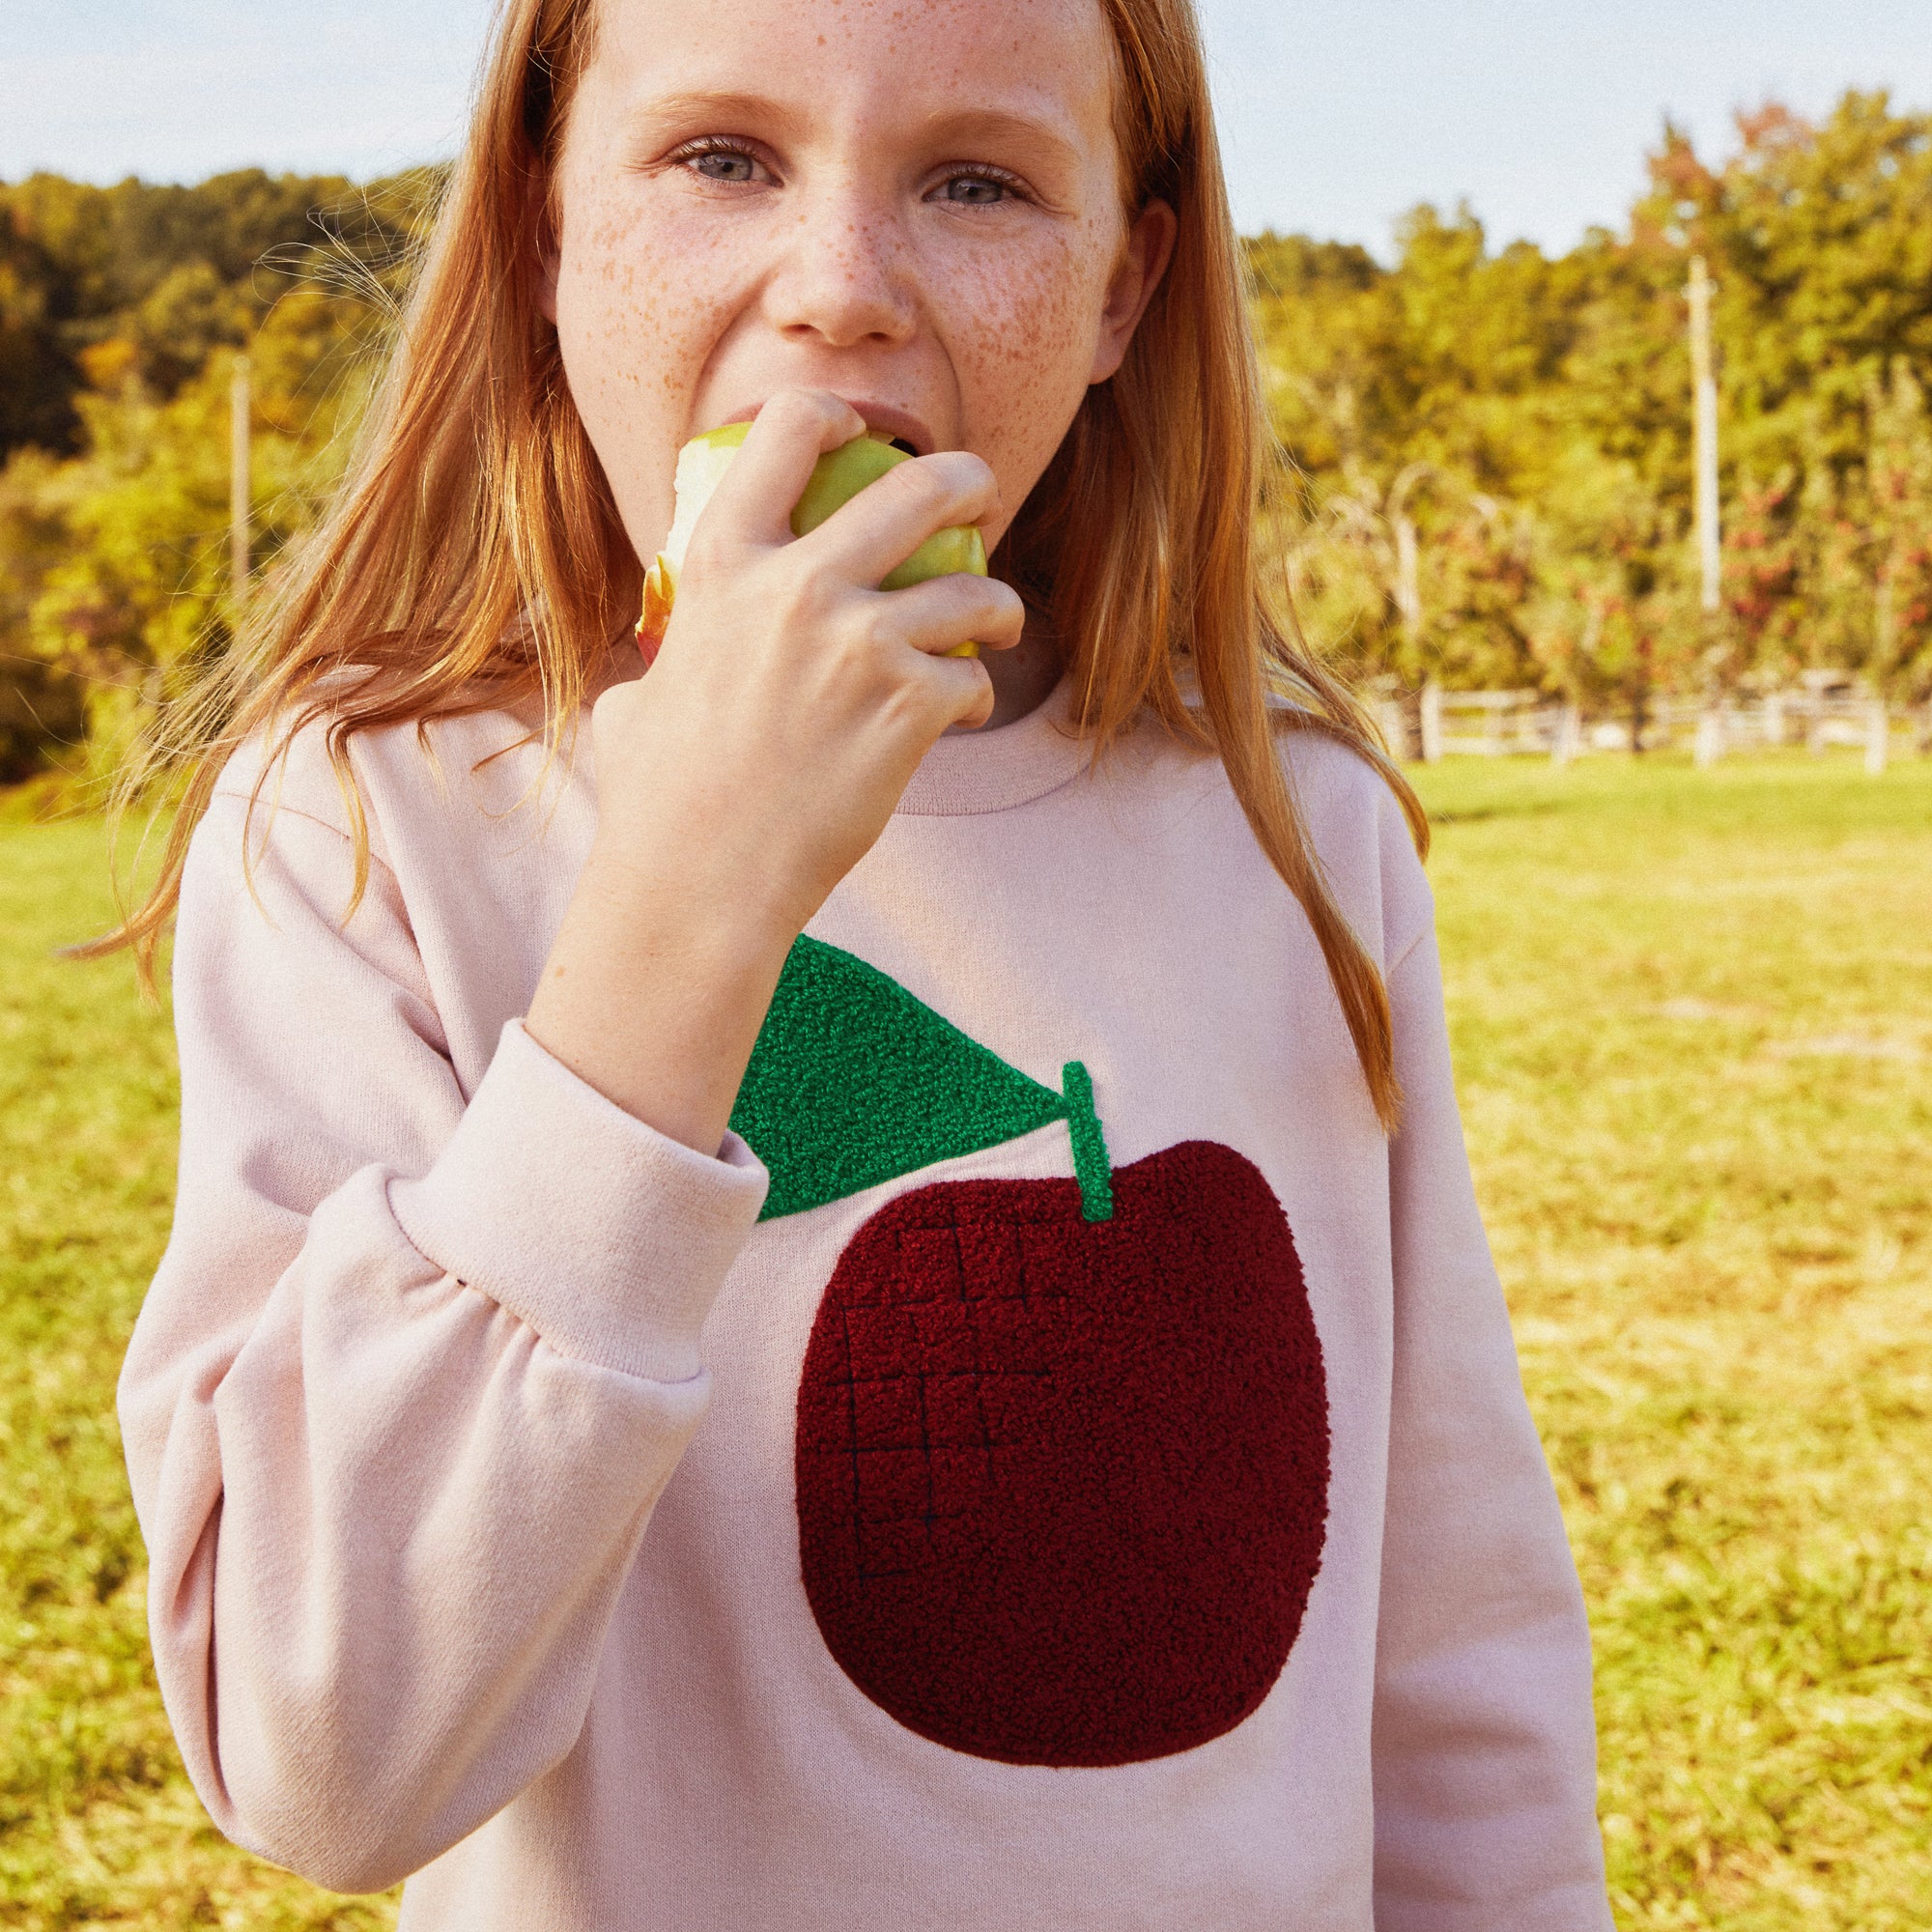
(836, 479)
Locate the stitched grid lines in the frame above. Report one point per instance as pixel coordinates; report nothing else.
(914, 1391)
(979, 1366)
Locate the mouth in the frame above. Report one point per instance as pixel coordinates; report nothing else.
(899, 427)
(886, 421)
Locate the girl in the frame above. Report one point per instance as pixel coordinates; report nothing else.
(785, 1312)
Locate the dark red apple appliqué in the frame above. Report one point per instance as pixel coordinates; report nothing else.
(1063, 1484)
(1063, 1445)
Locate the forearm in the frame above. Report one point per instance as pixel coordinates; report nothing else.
(427, 1515)
(656, 989)
(413, 1374)
(386, 1536)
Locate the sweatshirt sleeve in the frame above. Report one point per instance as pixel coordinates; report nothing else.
(410, 1379)
(1483, 1738)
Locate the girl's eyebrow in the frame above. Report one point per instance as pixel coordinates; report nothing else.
(716, 104)
(1038, 130)
(1035, 131)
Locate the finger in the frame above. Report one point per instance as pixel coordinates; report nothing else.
(885, 523)
(962, 693)
(787, 436)
(944, 613)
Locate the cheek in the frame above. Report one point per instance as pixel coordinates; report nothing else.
(1024, 360)
(639, 304)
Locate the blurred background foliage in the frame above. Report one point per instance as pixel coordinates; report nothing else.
(1529, 416)
(1485, 471)
(121, 311)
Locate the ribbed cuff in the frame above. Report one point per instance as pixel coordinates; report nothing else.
(608, 1239)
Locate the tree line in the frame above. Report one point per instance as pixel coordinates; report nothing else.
(1484, 473)
(121, 311)
(1487, 455)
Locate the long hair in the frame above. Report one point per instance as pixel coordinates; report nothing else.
(474, 557)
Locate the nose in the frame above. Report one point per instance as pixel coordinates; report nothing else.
(844, 278)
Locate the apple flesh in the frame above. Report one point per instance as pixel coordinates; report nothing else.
(1063, 1482)
(836, 479)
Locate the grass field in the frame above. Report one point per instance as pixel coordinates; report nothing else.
(1693, 1024)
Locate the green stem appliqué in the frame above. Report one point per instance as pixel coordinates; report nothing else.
(1090, 1164)
(855, 1082)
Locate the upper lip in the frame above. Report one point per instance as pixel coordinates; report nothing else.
(884, 419)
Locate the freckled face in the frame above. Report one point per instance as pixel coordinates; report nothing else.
(912, 202)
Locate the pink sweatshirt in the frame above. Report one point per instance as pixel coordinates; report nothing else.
(1074, 1475)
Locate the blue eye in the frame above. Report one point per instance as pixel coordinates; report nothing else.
(723, 164)
(976, 191)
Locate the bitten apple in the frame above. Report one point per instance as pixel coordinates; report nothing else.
(836, 478)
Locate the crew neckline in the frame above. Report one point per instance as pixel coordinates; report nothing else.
(993, 771)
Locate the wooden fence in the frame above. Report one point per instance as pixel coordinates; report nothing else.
(1433, 723)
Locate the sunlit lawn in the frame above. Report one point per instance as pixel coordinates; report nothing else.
(98, 1825)
(1694, 1022)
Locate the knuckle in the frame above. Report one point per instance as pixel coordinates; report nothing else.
(808, 407)
(1008, 613)
(800, 599)
(908, 703)
(967, 475)
(708, 547)
(881, 627)
(792, 606)
(854, 629)
(789, 412)
(924, 488)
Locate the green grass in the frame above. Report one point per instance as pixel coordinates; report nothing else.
(1693, 1016)
(98, 1825)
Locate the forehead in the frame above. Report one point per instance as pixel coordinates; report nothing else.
(903, 61)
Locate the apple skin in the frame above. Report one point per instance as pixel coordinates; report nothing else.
(1063, 1484)
(836, 479)
(840, 475)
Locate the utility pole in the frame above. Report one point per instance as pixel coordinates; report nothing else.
(1408, 601)
(1407, 578)
(1408, 550)
(1705, 383)
(240, 413)
(1409, 598)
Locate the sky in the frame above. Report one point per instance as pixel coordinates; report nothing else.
(1336, 115)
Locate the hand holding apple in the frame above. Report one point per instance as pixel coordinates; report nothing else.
(836, 479)
(741, 780)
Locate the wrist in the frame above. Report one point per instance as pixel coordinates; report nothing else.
(655, 990)
(691, 900)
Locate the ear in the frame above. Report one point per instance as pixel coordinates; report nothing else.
(1143, 260)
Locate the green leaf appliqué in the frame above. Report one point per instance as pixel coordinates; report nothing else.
(855, 1082)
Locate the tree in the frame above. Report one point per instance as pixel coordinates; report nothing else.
(121, 309)
(1557, 393)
